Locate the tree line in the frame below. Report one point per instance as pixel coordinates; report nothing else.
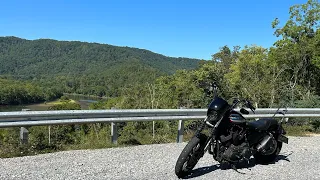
(83, 68)
(13, 92)
(287, 73)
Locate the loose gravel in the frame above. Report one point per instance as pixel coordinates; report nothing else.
(300, 159)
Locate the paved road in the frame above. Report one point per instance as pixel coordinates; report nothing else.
(157, 162)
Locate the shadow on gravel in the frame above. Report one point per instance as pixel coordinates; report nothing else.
(247, 165)
(281, 157)
(201, 171)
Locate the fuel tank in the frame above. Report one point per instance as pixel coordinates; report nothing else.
(236, 118)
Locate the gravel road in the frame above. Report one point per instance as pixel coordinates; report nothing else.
(157, 162)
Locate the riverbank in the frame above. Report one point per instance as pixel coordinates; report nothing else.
(85, 97)
(43, 106)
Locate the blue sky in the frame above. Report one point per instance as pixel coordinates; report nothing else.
(177, 28)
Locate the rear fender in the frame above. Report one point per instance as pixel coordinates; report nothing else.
(274, 128)
(279, 133)
(281, 130)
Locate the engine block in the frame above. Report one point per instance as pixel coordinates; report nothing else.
(237, 153)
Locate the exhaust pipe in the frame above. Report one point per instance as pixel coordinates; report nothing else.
(267, 145)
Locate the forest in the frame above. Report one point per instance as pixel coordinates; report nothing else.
(13, 92)
(83, 68)
(284, 75)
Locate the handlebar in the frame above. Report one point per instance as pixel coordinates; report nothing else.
(247, 103)
(215, 88)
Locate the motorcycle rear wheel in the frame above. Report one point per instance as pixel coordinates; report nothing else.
(190, 155)
(266, 159)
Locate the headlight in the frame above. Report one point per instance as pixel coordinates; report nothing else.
(213, 116)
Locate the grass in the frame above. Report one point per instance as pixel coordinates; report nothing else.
(57, 102)
(303, 130)
(45, 105)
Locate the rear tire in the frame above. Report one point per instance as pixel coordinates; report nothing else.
(190, 155)
(266, 159)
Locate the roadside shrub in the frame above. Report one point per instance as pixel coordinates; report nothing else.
(315, 125)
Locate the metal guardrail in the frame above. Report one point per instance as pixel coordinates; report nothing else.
(46, 118)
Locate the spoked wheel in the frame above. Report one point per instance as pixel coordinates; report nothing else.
(190, 155)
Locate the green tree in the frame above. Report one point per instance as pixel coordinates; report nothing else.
(298, 47)
(249, 75)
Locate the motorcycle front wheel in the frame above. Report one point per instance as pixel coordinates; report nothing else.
(190, 155)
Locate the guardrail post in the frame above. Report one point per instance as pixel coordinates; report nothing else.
(114, 133)
(24, 133)
(180, 130)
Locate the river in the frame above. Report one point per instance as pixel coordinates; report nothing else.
(84, 102)
(7, 108)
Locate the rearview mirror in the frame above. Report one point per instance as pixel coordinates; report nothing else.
(249, 105)
(244, 111)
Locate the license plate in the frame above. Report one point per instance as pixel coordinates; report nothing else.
(282, 138)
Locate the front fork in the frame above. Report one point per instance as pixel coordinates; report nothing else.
(209, 138)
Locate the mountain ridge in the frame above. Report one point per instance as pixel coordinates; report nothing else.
(102, 65)
(99, 43)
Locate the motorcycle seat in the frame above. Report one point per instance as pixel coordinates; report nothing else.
(262, 124)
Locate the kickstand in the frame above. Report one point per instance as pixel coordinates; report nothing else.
(235, 168)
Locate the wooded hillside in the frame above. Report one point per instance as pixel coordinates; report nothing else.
(85, 68)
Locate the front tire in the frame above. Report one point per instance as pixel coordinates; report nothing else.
(190, 155)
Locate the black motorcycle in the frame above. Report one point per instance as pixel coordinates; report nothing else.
(231, 138)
